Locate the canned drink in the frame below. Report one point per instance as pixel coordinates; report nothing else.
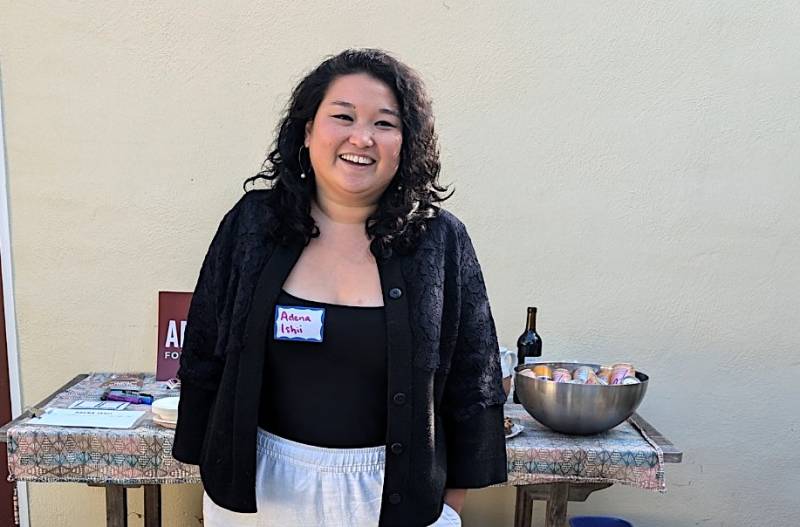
(628, 364)
(605, 373)
(561, 375)
(543, 371)
(593, 379)
(583, 373)
(620, 371)
(631, 380)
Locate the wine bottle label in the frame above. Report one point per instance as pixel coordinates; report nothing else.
(530, 360)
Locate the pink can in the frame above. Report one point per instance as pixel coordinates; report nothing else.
(561, 375)
(620, 371)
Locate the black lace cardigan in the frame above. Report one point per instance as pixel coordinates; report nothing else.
(445, 398)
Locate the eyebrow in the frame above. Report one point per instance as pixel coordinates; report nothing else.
(353, 107)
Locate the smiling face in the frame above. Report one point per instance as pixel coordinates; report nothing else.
(354, 140)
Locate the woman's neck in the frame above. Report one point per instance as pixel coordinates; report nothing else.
(341, 228)
(328, 211)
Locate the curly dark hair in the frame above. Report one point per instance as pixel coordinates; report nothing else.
(411, 198)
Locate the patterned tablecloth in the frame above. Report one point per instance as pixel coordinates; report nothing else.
(143, 455)
(622, 455)
(140, 455)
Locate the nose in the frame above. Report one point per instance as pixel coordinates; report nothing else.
(362, 137)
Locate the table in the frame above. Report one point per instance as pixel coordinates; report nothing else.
(118, 459)
(556, 468)
(543, 465)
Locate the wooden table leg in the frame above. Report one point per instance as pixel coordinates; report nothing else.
(116, 506)
(524, 508)
(557, 505)
(152, 506)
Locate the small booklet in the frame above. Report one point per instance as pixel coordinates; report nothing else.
(99, 405)
(91, 418)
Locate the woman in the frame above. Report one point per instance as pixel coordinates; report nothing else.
(340, 363)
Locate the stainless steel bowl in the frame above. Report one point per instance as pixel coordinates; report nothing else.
(578, 409)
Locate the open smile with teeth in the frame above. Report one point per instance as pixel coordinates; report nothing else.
(357, 160)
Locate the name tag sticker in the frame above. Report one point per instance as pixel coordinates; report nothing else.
(299, 323)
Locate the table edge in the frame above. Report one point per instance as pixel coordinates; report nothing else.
(27, 413)
(672, 454)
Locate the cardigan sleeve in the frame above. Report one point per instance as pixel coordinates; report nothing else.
(200, 365)
(474, 397)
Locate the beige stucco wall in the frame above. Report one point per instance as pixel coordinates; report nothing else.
(629, 167)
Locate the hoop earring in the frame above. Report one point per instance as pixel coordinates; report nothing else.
(300, 162)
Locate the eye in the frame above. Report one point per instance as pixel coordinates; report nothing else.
(386, 123)
(343, 117)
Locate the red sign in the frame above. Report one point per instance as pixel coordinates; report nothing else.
(172, 311)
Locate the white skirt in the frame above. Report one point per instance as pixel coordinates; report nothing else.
(307, 486)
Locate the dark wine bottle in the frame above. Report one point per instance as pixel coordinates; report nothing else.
(529, 344)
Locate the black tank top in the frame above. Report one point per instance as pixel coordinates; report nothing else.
(331, 393)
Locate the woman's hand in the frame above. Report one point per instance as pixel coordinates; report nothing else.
(455, 498)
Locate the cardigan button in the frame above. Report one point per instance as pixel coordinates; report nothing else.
(395, 293)
(395, 499)
(397, 448)
(399, 398)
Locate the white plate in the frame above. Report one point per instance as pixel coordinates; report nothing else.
(515, 431)
(164, 422)
(166, 408)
